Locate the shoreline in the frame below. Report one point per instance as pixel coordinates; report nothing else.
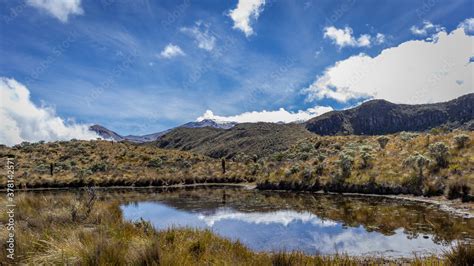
(452, 207)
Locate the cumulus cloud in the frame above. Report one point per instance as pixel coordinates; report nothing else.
(468, 25)
(245, 11)
(279, 217)
(171, 50)
(416, 71)
(280, 115)
(203, 38)
(426, 29)
(344, 37)
(60, 9)
(22, 120)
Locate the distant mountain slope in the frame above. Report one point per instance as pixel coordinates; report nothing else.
(106, 133)
(109, 134)
(210, 123)
(260, 139)
(382, 117)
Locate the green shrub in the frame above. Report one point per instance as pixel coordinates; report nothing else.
(461, 140)
(440, 152)
(99, 167)
(418, 162)
(345, 162)
(293, 170)
(407, 136)
(382, 140)
(155, 163)
(366, 154)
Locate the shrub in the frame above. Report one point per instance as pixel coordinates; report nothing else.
(382, 140)
(345, 163)
(279, 156)
(366, 156)
(440, 152)
(305, 147)
(461, 140)
(304, 156)
(418, 162)
(458, 189)
(319, 168)
(99, 167)
(435, 188)
(407, 136)
(155, 163)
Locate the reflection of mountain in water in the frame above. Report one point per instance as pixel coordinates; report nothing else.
(374, 214)
(377, 214)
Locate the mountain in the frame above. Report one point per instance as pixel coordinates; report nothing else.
(209, 123)
(105, 133)
(261, 139)
(109, 134)
(378, 117)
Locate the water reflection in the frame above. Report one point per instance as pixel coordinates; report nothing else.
(270, 221)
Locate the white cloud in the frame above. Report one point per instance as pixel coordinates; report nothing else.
(279, 217)
(244, 12)
(344, 37)
(280, 115)
(468, 25)
(22, 120)
(60, 9)
(201, 35)
(380, 38)
(426, 28)
(416, 71)
(171, 50)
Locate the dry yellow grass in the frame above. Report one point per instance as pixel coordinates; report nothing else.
(104, 163)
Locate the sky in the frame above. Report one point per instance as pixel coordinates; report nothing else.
(144, 66)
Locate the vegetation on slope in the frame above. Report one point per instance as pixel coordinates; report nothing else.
(104, 163)
(260, 139)
(406, 163)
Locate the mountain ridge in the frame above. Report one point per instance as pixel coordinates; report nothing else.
(378, 117)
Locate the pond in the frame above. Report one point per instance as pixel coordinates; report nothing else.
(312, 223)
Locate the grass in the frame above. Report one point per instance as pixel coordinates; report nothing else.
(104, 163)
(47, 233)
(369, 167)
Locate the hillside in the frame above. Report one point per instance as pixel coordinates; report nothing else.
(78, 163)
(259, 139)
(382, 117)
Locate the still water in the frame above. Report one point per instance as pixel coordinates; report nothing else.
(312, 223)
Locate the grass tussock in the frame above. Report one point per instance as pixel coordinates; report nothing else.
(461, 254)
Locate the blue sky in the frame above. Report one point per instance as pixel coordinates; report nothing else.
(107, 61)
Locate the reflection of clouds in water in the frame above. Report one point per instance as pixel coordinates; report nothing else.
(280, 217)
(283, 230)
(358, 241)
